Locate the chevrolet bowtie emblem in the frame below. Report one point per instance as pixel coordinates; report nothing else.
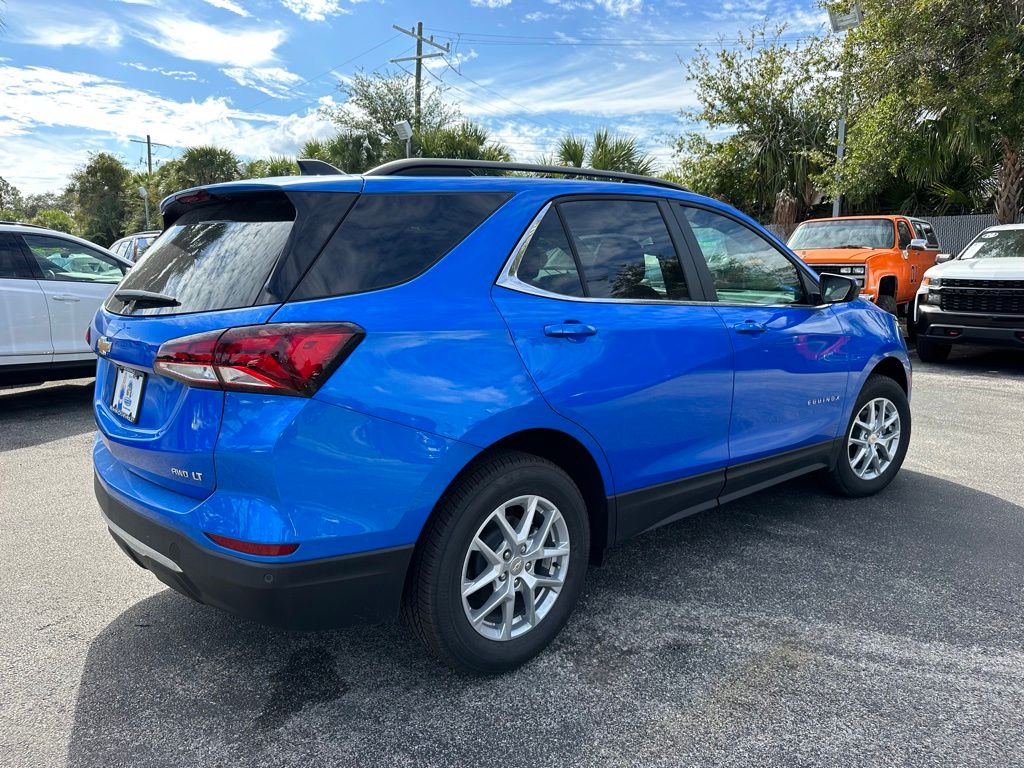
(103, 345)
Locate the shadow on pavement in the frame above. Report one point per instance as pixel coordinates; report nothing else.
(760, 627)
(35, 415)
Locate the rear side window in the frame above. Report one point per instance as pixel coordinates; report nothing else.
(215, 257)
(625, 250)
(547, 263)
(389, 239)
(12, 261)
(924, 229)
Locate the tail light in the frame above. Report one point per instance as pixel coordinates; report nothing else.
(281, 358)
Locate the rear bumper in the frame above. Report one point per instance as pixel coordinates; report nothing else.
(951, 328)
(363, 588)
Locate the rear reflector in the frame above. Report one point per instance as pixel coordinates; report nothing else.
(281, 358)
(252, 548)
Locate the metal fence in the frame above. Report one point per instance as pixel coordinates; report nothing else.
(954, 232)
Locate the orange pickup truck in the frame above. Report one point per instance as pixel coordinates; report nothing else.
(886, 255)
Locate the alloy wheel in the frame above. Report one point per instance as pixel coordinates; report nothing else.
(874, 438)
(515, 567)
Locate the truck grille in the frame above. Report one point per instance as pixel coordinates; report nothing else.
(997, 297)
(832, 269)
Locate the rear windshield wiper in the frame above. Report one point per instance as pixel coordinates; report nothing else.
(150, 298)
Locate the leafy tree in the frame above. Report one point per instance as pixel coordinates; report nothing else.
(264, 168)
(203, 165)
(779, 104)
(99, 190)
(10, 198)
(44, 201)
(604, 151)
(958, 64)
(54, 218)
(465, 141)
(349, 152)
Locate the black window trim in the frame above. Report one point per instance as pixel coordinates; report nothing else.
(507, 277)
(809, 280)
(27, 262)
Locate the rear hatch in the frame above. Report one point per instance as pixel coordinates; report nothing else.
(228, 258)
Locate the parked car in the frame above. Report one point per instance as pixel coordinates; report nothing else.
(458, 397)
(51, 285)
(976, 298)
(132, 247)
(887, 255)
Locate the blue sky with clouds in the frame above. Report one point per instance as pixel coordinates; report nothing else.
(79, 76)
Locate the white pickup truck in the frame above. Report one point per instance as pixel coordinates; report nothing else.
(975, 298)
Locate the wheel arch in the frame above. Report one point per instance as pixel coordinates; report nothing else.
(892, 368)
(885, 282)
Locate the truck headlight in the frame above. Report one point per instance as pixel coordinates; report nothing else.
(856, 270)
(933, 282)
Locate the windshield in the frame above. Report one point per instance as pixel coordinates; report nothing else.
(1001, 243)
(848, 233)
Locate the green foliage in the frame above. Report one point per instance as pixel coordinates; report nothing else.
(54, 218)
(466, 141)
(349, 152)
(99, 190)
(10, 197)
(270, 167)
(780, 105)
(199, 166)
(604, 151)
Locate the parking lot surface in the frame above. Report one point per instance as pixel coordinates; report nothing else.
(792, 628)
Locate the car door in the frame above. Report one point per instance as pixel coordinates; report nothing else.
(24, 320)
(790, 359)
(924, 260)
(608, 321)
(75, 280)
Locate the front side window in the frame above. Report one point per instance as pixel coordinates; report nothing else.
(547, 263)
(65, 260)
(843, 233)
(904, 232)
(745, 267)
(625, 250)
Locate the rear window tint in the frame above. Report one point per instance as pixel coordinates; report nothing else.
(216, 257)
(389, 239)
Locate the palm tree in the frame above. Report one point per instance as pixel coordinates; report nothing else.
(604, 152)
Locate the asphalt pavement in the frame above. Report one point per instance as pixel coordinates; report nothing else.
(788, 629)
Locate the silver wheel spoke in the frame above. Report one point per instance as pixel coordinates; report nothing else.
(529, 605)
(507, 615)
(523, 531)
(554, 552)
(506, 530)
(481, 581)
(873, 439)
(489, 554)
(497, 598)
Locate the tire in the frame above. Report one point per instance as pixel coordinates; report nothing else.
(931, 351)
(888, 303)
(866, 479)
(451, 554)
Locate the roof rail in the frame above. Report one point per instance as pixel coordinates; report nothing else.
(23, 224)
(432, 166)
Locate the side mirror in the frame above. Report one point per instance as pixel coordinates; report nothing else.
(836, 289)
(918, 244)
(942, 258)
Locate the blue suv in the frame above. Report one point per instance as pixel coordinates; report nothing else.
(440, 390)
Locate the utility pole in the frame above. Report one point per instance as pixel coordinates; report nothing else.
(417, 34)
(149, 150)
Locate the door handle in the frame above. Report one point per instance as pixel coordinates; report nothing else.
(750, 327)
(65, 297)
(569, 329)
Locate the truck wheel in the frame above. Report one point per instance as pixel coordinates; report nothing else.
(888, 303)
(931, 351)
(501, 564)
(876, 439)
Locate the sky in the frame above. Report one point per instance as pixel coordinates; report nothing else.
(82, 76)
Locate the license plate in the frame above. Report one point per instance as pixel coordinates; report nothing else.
(128, 393)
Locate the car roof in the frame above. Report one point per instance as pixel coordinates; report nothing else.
(32, 229)
(886, 216)
(1004, 227)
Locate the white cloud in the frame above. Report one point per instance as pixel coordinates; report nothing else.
(537, 16)
(229, 5)
(491, 3)
(92, 112)
(273, 81)
(315, 10)
(177, 74)
(101, 33)
(620, 7)
(195, 41)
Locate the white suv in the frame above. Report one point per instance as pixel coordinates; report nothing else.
(976, 298)
(51, 285)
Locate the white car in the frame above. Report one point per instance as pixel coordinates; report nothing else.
(51, 285)
(976, 298)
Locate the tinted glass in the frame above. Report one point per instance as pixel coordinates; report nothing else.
(925, 230)
(996, 244)
(388, 239)
(746, 268)
(12, 261)
(215, 257)
(65, 260)
(547, 262)
(625, 250)
(843, 233)
(904, 234)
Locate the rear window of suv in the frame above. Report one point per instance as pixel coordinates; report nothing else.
(388, 239)
(215, 257)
